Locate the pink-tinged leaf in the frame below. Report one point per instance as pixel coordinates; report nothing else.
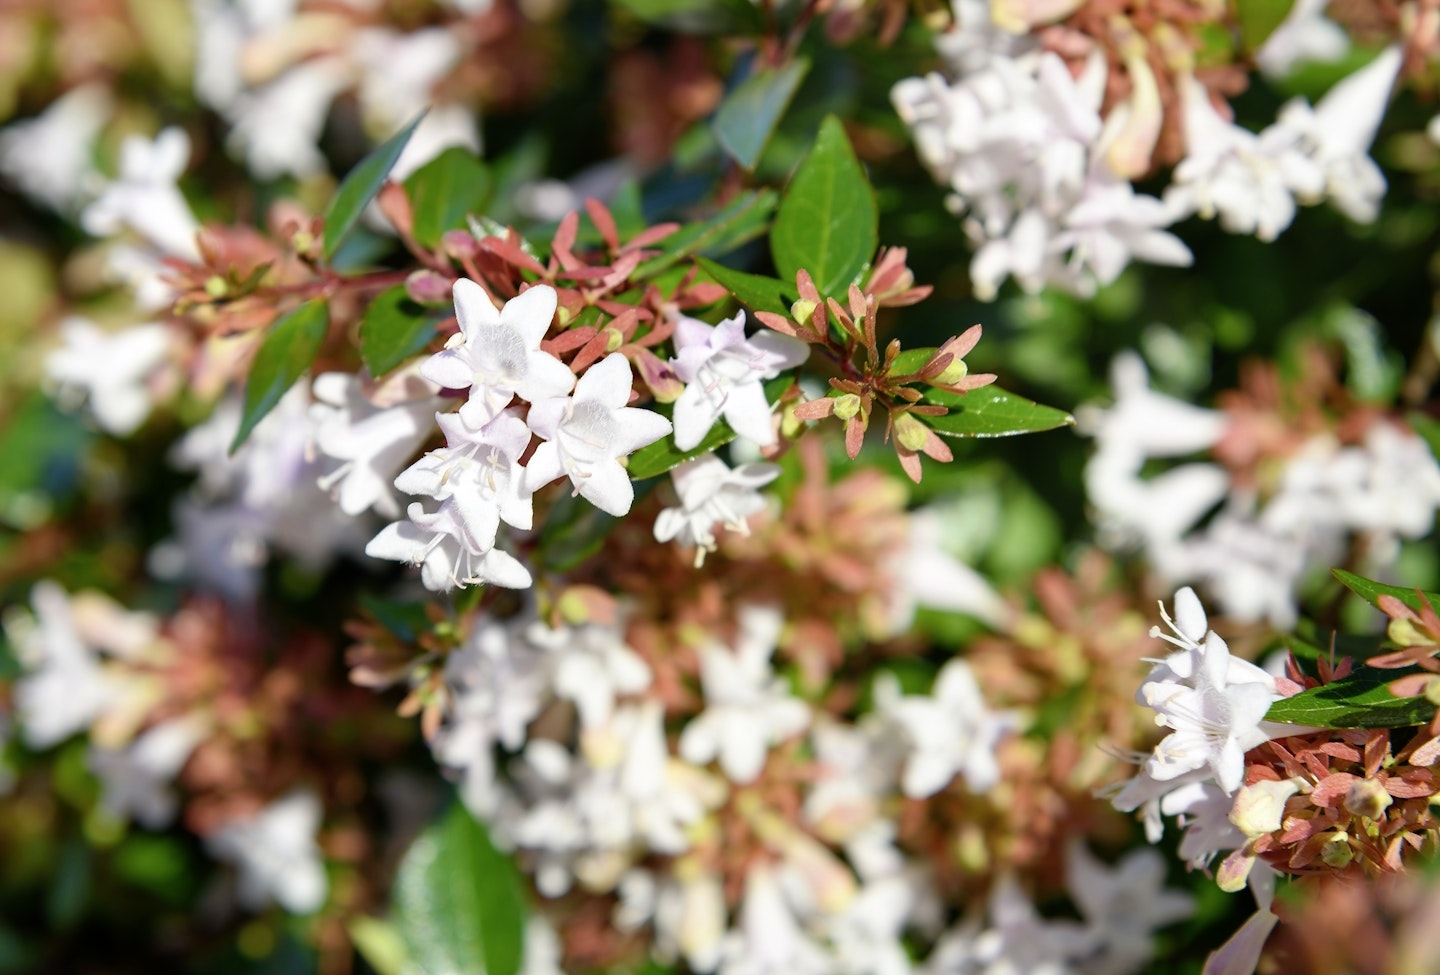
(604, 222)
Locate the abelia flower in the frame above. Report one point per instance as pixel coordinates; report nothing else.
(723, 372)
(109, 369)
(371, 442)
(135, 780)
(441, 543)
(712, 494)
(145, 199)
(50, 156)
(587, 434)
(275, 852)
(496, 354)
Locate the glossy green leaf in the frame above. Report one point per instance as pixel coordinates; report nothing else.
(458, 902)
(1360, 700)
(360, 186)
(661, 456)
(827, 221)
(288, 350)
(445, 191)
(1259, 18)
(747, 117)
(1371, 591)
(912, 360)
(698, 16)
(755, 291)
(380, 944)
(393, 329)
(992, 412)
(742, 219)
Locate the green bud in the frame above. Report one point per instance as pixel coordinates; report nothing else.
(1368, 799)
(613, 338)
(847, 406)
(910, 432)
(1432, 691)
(951, 374)
(216, 286)
(1336, 850)
(802, 311)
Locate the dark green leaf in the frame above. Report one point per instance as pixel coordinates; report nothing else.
(458, 902)
(360, 186)
(698, 16)
(992, 412)
(1259, 18)
(659, 457)
(393, 329)
(282, 358)
(444, 191)
(406, 620)
(743, 218)
(1371, 591)
(1360, 700)
(755, 291)
(748, 115)
(827, 222)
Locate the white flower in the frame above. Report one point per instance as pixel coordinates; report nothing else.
(588, 433)
(65, 688)
(1110, 225)
(769, 939)
(950, 731)
(144, 197)
(712, 494)
(592, 667)
(479, 473)
(747, 707)
(496, 354)
(109, 369)
(1250, 182)
(275, 853)
(1122, 906)
(276, 128)
(1017, 940)
(927, 575)
(440, 543)
(1304, 35)
(1338, 132)
(135, 780)
(399, 72)
(723, 372)
(49, 156)
(371, 442)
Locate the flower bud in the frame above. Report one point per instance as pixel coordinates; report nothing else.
(951, 374)
(216, 286)
(1260, 808)
(459, 244)
(425, 287)
(912, 434)
(1368, 799)
(1234, 872)
(614, 338)
(1336, 852)
(802, 311)
(847, 406)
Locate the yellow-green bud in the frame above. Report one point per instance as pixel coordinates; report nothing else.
(802, 311)
(1432, 691)
(951, 374)
(1403, 632)
(1368, 798)
(216, 286)
(847, 406)
(910, 432)
(1260, 808)
(614, 338)
(1336, 850)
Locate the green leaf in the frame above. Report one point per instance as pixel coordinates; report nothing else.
(747, 117)
(743, 218)
(1371, 591)
(992, 412)
(360, 186)
(458, 902)
(827, 222)
(1259, 18)
(755, 291)
(282, 358)
(444, 191)
(698, 16)
(393, 329)
(404, 619)
(661, 456)
(380, 944)
(912, 360)
(1359, 700)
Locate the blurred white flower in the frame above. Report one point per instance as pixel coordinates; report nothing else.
(135, 780)
(49, 157)
(371, 442)
(1304, 35)
(276, 128)
(950, 731)
(592, 667)
(275, 854)
(65, 688)
(748, 708)
(144, 197)
(1122, 906)
(109, 370)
